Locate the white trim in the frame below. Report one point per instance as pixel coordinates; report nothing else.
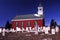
(37, 15)
(27, 19)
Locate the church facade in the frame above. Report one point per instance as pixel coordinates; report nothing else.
(29, 20)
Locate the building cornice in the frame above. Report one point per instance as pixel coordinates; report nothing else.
(26, 19)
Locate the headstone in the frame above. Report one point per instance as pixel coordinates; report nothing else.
(56, 29)
(23, 29)
(43, 30)
(36, 30)
(3, 33)
(39, 29)
(36, 33)
(13, 30)
(52, 31)
(33, 28)
(30, 28)
(18, 29)
(0, 30)
(7, 30)
(26, 28)
(46, 30)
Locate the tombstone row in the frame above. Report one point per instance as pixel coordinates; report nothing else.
(39, 29)
(29, 29)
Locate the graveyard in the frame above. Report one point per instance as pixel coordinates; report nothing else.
(29, 36)
(45, 34)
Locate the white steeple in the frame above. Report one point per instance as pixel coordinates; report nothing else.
(40, 9)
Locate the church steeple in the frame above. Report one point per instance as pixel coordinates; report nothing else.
(40, 9)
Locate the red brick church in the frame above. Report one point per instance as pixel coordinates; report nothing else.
(29, 20)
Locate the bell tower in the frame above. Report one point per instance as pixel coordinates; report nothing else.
(40, 9)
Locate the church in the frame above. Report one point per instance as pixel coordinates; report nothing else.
(29, 20)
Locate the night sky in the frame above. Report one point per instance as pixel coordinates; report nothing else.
(10, 8)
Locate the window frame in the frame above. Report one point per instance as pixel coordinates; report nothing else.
(28, 24)
(16, 24)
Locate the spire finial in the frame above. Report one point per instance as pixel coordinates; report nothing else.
(40, 4)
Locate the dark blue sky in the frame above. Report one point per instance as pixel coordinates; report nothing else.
(10, 8)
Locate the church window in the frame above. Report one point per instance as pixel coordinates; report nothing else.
(22, 24)
(16, 24)
(28, 24)
(35, 23)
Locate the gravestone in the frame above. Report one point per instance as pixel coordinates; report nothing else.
(36, 28)
(27, 29)
(46, 30)
(52, 31)
(0, 30)
(56, 29)
(3, 32)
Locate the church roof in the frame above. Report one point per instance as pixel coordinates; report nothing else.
(28, 16)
